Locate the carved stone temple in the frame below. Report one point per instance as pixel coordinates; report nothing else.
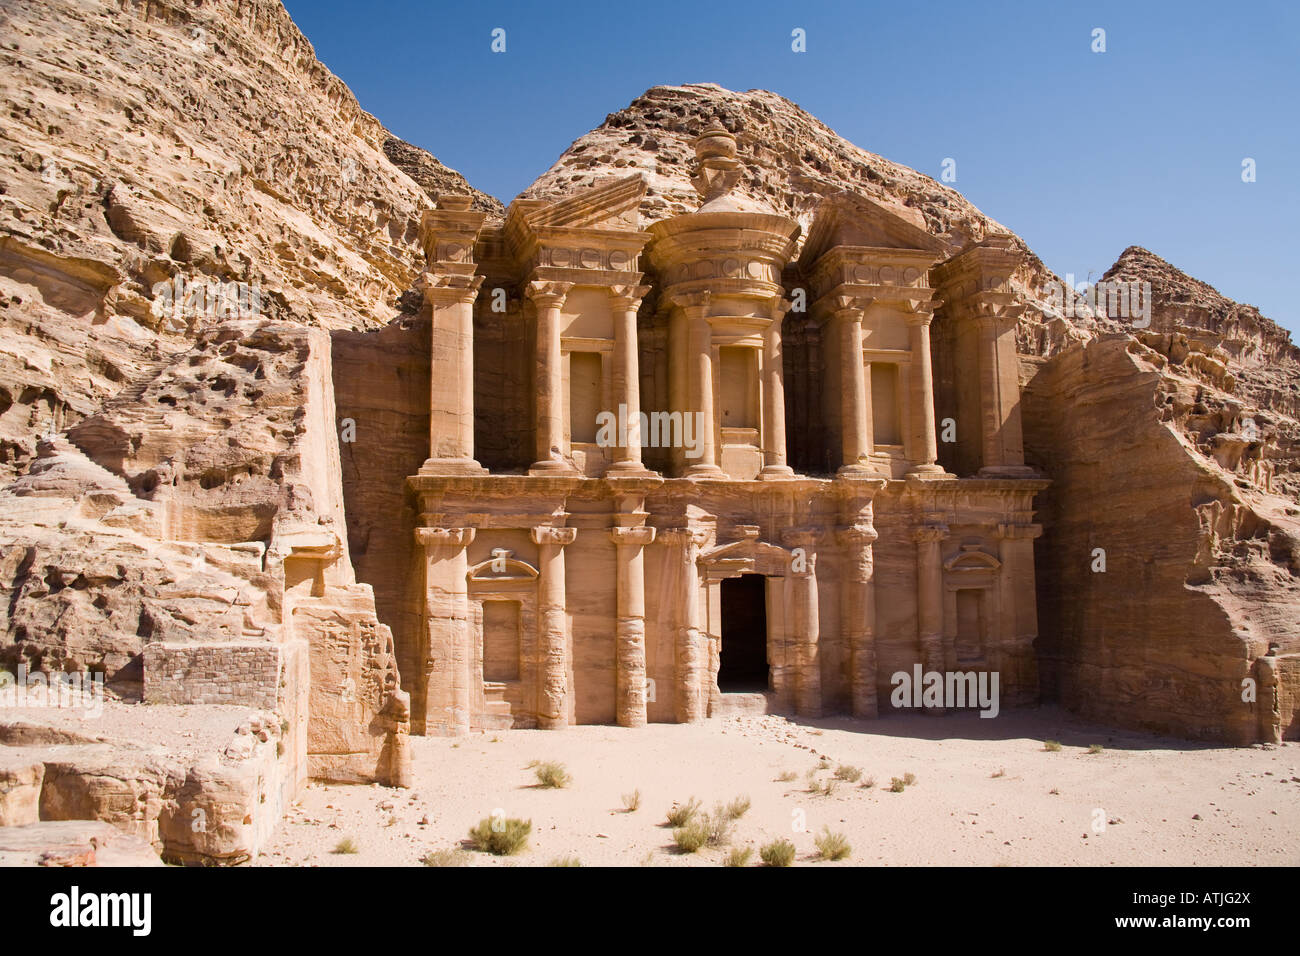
(719, 463)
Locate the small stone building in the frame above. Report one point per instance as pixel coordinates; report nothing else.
(702, 467)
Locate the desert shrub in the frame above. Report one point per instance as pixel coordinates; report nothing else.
(737, 808)
(897, 785)
(507, 838)
(346, 845)
(909, 778)
(703, 829)
(1095, 748)
(565, 861)
(786, 776)
(848, 772)
(740, 856)
(832, 846)
(1052, 745)
(777, 853)
(682, 813)
(552, 775)
(632, 801)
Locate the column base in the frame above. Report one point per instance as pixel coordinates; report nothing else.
(552, 467)
(929, 471)
(452, 466)
(776, 473)
(1007, 471)
(704, 471)
(628, 469)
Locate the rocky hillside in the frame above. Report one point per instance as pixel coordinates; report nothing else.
(148, 143)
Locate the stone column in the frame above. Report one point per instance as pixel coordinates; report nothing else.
(549, 298)
(774, 453)
(447, 626)
(1001, 431)
(1015, 660)
(451, 398)
(625, 301)
(700, 350)
(688, 694)
(921, 383)
(855, 429)
(805, 623)
(553, 693)
(859, 606)
(929, 598)
(630, 672)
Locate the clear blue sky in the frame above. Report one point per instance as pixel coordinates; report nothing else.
(1080, 153)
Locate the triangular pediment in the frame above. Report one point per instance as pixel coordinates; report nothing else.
(612, 205)
(851, 219)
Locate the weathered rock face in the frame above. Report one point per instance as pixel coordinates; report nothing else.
(149, 141)
(1165, 579)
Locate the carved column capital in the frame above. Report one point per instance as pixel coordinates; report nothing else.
(627, 298)
(444, 537)
(441, 289)
(856, 534)
(695, 304)
(780, 307)
(685, 536)
(930, 532)
(549, 534)
(548, 294)
(639, 536)
(920, 314)
(850, 307)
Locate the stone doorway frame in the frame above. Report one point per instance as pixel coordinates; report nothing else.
(791, 657)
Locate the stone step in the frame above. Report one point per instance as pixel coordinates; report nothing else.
(736, 704)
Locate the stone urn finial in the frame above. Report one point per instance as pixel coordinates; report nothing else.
(719, 170)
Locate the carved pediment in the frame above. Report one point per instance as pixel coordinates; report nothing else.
(972, 559)
(612, 205)
(850, 219)
(502, 567)
(749, 555)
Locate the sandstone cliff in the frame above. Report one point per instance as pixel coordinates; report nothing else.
(142, 142)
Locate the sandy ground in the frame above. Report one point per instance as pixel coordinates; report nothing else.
(986, 793)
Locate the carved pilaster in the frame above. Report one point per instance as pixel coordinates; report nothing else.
(630, 655)
(859, 614)
(689, 695)
(447, 653)
(554, 695)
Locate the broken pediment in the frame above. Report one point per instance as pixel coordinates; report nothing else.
(850, 219)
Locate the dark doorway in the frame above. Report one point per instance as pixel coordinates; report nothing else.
(743, 664)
